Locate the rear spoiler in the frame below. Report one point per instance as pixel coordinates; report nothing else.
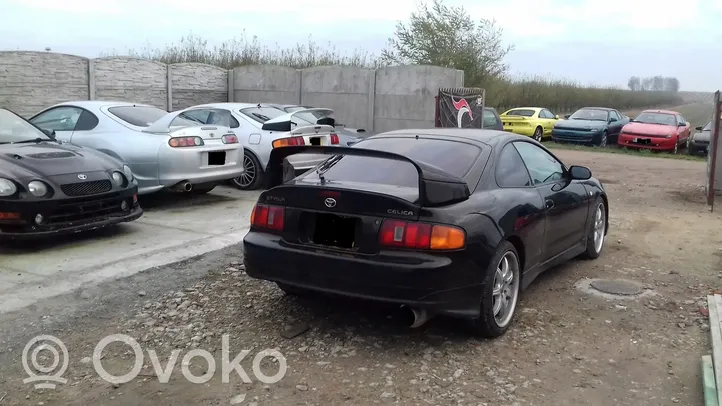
(283, 123)
(436, 187)
(163, 124)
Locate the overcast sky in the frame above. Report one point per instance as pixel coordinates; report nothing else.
(600, 42)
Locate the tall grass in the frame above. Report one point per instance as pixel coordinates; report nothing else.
(559, 95)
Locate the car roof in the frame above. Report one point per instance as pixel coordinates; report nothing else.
(100, 103)
(659, 111)
(234, 105)
(474, 135)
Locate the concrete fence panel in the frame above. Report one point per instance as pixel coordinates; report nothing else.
(197, 83)
(348, 90)
(31, 81)
(405, 95)
(132, 80)
(266, 84)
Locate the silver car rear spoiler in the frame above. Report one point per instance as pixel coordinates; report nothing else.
(286, 122)
(163, 125)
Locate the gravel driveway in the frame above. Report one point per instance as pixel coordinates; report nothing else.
(567, 346)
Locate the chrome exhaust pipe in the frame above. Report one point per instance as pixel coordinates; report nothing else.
(184, 186)
(421, 316)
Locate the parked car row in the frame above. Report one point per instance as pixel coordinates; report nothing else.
(664, 130)
(69, 162)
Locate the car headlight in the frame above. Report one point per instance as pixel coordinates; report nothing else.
(37, 188)
(118, 178)
(128, 173)
(7, 188)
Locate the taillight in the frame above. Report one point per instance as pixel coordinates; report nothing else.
(288, 142)
(267, 217)
(229, 139)
(176, 142)
(414, 235)
(334, 139)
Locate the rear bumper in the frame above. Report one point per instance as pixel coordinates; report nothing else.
(655, 143)
(195, 165)
(527, 130)
(445, 284)
(66, 216)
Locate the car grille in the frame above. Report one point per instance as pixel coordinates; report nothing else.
(86, 188)
(86, 209)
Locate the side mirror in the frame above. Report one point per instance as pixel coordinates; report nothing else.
(698, 128)
(49, 133)
(681, 124)
(556, 116)
(579, 172)
(613, 120)
(566, 116)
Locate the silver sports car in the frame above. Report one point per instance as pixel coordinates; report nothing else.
(347, 136)
(261, 128)
(164, 150)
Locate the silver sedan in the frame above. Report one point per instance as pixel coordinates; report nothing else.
(163, 150)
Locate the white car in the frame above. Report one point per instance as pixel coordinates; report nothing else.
(262, 127)
(163, 150)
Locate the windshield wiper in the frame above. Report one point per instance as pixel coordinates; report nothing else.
(324, 167)
(35, 140)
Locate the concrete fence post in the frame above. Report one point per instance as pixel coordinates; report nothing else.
(169, 88)
(299, 72)
(231, 87)
(91, 79)
(371, 102)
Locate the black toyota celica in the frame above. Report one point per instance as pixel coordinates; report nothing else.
(443, 221)
(48, 188)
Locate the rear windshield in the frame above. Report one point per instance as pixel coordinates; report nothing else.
(521, 112)
(455, 158)
(262, 114)
(141, 116)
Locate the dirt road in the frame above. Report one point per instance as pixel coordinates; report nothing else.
(567, 347)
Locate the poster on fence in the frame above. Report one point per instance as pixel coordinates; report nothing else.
(460, 107)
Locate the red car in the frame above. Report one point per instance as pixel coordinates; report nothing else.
(655, 129)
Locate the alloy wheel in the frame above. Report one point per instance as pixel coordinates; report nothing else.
(599, 225)
(538, 134)
(603, 140)
(506, 289)
(676, 146)
(249, 176)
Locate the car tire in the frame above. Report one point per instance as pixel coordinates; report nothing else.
(676, 146)
(202, 189)
(499, 291)
(691, 150)
(253, 177)
(596, 235)
(538, 134)
(603, 140)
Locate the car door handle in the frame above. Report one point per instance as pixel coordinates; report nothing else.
(549, 203)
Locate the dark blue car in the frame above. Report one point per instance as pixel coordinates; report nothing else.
(590, 125)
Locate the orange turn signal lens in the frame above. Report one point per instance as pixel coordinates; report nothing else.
(447, 238)
(288, 142)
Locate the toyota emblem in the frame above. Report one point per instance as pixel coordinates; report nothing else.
(82, 177)
(330, 202)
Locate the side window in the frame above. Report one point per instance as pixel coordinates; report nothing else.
(542, 167)
(489, 119)
(614, 114)
(86, 122)
(62, 118)
(681, 120)
(510, 170)
(547, 114)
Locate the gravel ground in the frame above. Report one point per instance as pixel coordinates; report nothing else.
(567, 346)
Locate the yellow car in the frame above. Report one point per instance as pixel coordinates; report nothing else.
(535, 122)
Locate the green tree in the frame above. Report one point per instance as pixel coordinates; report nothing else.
(448, 36)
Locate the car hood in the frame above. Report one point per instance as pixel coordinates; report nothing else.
(580, 124)
(18, 161)
(702, 136)
(651, 129)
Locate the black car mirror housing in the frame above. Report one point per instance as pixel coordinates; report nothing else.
(577, 172)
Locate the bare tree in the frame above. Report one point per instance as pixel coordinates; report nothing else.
(634, 84)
